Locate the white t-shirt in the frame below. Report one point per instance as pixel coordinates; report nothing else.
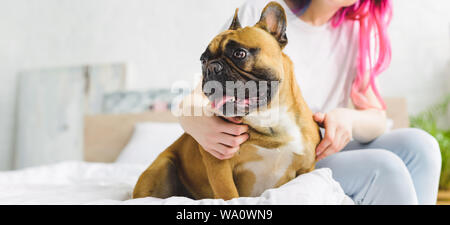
(324, 57)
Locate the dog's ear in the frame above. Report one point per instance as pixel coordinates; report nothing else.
(273, 20)
(235, 24)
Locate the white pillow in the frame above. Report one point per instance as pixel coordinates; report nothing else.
(148, 141)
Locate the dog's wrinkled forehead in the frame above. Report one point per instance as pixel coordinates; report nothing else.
(217, 44)
(248, 38)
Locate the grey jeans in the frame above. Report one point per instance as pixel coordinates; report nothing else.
(400, 167)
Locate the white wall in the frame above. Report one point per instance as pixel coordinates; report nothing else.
(163, 40)
(420, 38)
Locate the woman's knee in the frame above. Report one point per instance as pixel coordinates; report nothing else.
(389, 165)
(420, 143)
(391, 182)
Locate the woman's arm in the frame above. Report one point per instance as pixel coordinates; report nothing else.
(342, 124)
(368, 124)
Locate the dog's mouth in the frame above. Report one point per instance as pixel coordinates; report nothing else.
(235, 106)
(239, 103)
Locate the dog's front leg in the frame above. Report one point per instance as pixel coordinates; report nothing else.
(220, 176)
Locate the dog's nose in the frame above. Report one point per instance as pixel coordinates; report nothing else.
(215, 68)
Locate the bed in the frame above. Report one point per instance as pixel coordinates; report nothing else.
(116, 152)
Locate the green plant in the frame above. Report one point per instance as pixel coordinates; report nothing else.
(428, 121)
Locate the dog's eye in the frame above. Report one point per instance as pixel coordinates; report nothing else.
(240, 54)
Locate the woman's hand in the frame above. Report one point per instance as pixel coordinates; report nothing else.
(338, 131)
(218, 137)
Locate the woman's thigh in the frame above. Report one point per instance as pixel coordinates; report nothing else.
(373, 176)
(420, 153)
(408, 143)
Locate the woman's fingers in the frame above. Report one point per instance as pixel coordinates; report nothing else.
(229, 144)
(232, 141)
(221, 138)
(324, 154)
(328, 139)
(319, 118)
(340, 140)
(225, 137)
(322, 146)
(343, 141)
(234, 129)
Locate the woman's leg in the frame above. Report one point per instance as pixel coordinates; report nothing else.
(420, 153)
(374, 176)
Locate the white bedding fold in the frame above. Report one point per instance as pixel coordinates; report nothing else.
(76, 182)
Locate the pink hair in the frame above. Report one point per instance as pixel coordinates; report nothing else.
(372, 16)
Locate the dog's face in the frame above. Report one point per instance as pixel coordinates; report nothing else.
(242, 67)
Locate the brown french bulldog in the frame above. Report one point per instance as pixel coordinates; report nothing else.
(282, 133)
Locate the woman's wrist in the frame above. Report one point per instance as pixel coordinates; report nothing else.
(368, 124)
(365, 125)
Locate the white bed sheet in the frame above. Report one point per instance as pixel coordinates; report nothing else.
(75, 182)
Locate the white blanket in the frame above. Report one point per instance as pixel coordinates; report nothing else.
(76, 182)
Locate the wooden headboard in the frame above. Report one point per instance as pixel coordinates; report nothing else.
(106, 135)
